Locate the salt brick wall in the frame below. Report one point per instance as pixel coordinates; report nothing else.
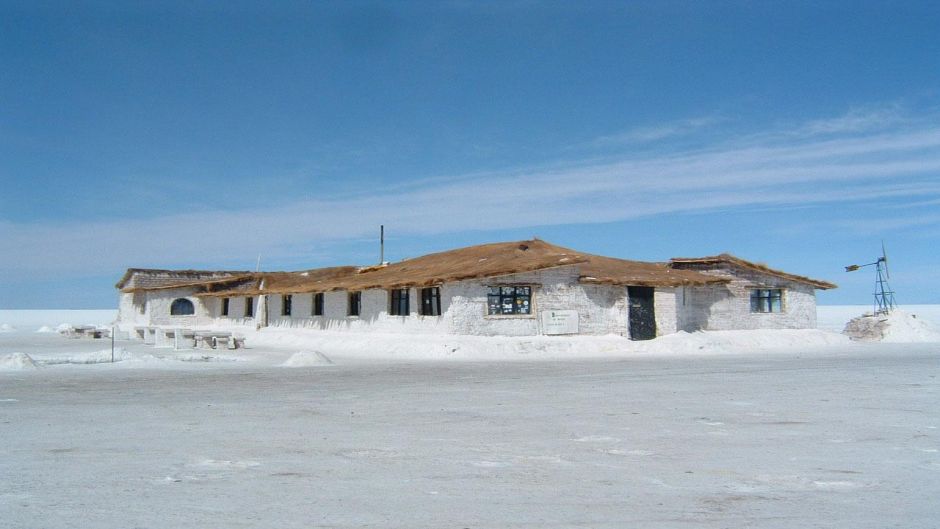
(236, 311)
(157, 310)
(374, 316)
(131, 310)
(602, 309)
(664, 306)
(728, 307)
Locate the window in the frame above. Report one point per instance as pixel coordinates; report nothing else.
(509, 300)
(767, 300)
(398, 305)
(249, 308)
(286, 301)
(355, 304)
(431, 301)
(182, 307)
(225, 306)
(317, 304)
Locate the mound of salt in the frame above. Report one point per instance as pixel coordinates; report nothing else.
(6, 327)
(102, 356)
(307, 358)
(45, 329)
(16, 362)
(897, 327)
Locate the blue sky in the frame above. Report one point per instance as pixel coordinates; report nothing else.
(200, 135)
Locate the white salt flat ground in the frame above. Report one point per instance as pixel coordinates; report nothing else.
(829, 434)
(834, 317)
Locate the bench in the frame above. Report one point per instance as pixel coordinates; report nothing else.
(212, 339)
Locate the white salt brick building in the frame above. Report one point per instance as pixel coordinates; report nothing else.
(513, 289)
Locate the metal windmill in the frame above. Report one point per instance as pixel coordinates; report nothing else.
(884, 296)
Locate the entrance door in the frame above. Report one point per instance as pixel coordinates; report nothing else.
(642, 315)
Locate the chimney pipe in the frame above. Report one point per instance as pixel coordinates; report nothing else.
(382, 244)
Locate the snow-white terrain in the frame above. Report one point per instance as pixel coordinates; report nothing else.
(898, 326)
(834, 317)
(738, 429)
(33, 320)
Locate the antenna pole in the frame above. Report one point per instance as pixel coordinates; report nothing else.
(381, 243)
(884, 296)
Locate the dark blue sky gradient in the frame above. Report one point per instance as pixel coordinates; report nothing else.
(135, 111)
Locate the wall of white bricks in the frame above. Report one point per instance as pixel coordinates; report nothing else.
(728, 307)
(374, 314)
(158, 304)
(601, 309)
(131, 310)
(664, 306)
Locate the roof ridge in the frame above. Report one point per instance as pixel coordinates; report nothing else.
(751, 265)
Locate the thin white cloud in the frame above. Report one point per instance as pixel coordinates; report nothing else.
(781, 170)
(855, 121)
(651, 133)
(882, 225)
(870, 226)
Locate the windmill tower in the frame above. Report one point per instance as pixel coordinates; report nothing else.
(884, 296)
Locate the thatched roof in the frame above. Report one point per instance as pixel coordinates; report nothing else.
(473, 262)
(153, 279)
(314, 280)
(611, 271)
(698, 263)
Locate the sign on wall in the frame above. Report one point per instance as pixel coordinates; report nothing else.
(560, 322)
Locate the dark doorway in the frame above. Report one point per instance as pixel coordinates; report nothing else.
(642, 315)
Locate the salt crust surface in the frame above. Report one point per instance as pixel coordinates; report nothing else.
(899, 326)
(16, 362)
(23, 346)
(827, 436)
(769, 429)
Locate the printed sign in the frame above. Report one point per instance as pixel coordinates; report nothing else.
(560, 322)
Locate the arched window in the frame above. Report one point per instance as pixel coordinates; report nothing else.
(182, 307)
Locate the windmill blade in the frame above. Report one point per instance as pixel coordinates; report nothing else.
(884, 255)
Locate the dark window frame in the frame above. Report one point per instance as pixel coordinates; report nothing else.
(354, 303)
(430, 301)
(225, 307)
(249, 307)
(767, 300)
(316, 308)
(399, 302)
(509, 300)
(287, 304)
(182, 307)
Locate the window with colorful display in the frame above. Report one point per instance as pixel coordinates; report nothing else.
(503, 300)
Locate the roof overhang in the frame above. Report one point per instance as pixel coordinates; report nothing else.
(734, 261)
